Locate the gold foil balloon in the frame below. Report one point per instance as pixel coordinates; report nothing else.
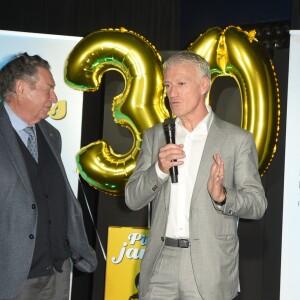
(138, 107)
(230, 52)
(236, 53)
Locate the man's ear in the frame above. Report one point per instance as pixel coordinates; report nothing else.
(205, 85)
(19, 87)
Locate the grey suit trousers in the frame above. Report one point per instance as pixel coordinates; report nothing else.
(173, 277)
(52, 287)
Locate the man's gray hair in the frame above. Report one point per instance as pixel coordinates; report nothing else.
(21, 66)
(188, 57)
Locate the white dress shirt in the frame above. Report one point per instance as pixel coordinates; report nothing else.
(181, 192)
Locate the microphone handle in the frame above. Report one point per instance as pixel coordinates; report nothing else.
(174, 174)
(170, 139)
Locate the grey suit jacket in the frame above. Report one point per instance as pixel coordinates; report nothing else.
(213, 231)
(17, 218)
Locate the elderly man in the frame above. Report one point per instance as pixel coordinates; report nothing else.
(41, 224)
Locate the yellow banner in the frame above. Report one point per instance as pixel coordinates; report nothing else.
(125, 249)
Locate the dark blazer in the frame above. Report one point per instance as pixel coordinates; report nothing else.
(17, 218)
(213, 231)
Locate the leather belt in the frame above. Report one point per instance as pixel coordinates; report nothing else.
(181, 243)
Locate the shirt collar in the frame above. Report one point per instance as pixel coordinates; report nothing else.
(204, 124)
(17, 123)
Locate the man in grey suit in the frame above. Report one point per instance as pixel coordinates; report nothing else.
(192, 250)
(41, 223)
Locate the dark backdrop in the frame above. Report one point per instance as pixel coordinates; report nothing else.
(170, 25)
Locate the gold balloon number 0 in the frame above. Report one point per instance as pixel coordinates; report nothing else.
(236, 53)
(230, 52)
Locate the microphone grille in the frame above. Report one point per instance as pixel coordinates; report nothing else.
(169, 122)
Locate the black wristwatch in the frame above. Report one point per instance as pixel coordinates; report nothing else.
(223, 201)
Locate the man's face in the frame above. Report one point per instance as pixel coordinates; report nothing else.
(186, 89)
(37, 99)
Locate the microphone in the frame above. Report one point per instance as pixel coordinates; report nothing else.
(169, 130)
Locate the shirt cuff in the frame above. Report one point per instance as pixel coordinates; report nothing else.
(160, 173)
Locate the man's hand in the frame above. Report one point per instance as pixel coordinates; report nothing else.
(215, 181)
(169, 156)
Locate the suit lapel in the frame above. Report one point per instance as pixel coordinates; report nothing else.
(10, 142)
(213, 145)
(53, 141)
(159, 141)
(49, 136)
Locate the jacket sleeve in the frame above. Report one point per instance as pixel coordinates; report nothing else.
(245, 194)
(144, 184)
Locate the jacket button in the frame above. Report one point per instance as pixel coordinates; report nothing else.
(162, 238)
(31, 236)
(33, 206)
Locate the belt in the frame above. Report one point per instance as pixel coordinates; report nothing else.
(181, 243)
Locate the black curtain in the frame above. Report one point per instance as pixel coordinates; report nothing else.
(295, 14)
(157, 21)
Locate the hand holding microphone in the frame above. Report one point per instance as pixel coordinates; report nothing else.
(169, 130)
